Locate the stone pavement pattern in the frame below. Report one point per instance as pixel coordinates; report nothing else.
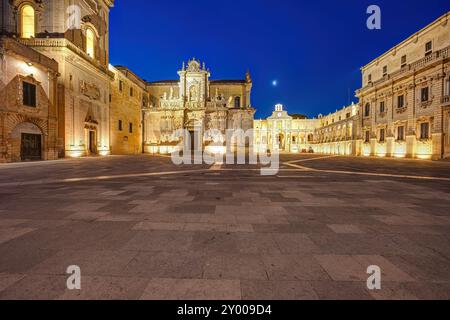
(206, 234)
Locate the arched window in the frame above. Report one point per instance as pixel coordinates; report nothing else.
(27, 21)
(90, 40)
(237, 102)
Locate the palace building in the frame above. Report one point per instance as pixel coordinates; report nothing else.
(61, 97)
(405, 97)
(336, 133)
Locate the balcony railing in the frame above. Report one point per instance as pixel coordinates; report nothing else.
(435, 56)
(446, 99)
(64, 43)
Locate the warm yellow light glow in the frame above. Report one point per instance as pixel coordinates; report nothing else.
(75, 154)
(28, 22)
(216, 149)
(90, 39)
(104, 153)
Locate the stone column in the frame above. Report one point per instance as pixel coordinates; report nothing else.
(390, 143)
(437, 146)
(411, 146)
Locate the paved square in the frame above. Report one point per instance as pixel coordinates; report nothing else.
(143, 228)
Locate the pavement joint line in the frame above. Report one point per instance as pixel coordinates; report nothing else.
(310, 159)
(372, 174)
(298, 168)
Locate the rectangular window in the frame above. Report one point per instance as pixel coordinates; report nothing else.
(401, 133)
(120, 125)
(110, 98)
(424, 131)
(428, 48)
(400, 101)
(367, 110)
(385, 71)
(131, 128)
(424, 94)
(120, 85)
(367, 136)
(131, 91)
(403, 61)
(29, 94)
(448, 86)
(348, 115)
(369, 78)
(382, 135)
(382, 107)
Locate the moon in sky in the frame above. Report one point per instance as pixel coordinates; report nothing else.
(274, 83)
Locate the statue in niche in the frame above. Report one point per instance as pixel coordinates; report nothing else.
(193, 93)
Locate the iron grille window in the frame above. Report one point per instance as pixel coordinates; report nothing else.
(120, 125)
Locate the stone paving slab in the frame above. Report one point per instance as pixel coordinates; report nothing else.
(208, 234)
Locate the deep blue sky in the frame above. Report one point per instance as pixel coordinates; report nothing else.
(314, 49)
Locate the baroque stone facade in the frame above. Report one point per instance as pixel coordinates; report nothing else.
(28, 127)
(405, 104)
(59, 96)
(403, 110)
(335, 133)
(75, 34)
(194, 102)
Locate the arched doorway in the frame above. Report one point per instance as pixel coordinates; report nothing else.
(26, 142)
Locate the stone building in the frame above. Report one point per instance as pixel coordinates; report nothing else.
(335, 133)
(338, 133)
(28, 106)
(128, 98)
(284, 132)
(75, 34)
(195, 100)
(405, 97)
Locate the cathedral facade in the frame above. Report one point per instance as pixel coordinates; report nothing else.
(195, 103)
(60, 97)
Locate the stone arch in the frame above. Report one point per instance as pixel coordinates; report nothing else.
(15, 141)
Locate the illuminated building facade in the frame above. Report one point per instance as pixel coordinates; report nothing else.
(61, 97)
(194, 102)
(28, 106)
(335, 133)
(405, 97)
(128, 98)
(75, 35)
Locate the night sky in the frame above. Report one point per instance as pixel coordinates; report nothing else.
(312, 49)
